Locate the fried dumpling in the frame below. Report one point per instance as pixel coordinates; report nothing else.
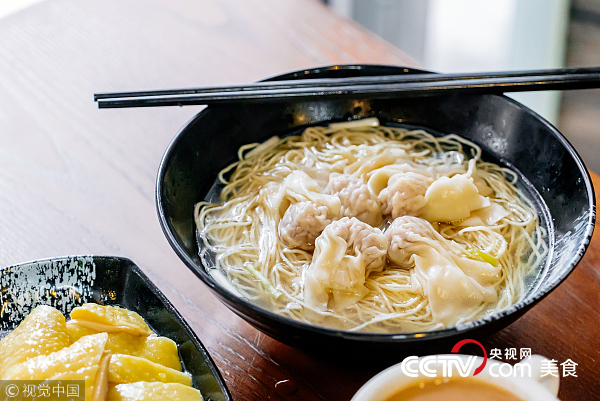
(85, 360)
(110, 319)
(42, 332)
(346, 252)
(150, 391)
(156, 349)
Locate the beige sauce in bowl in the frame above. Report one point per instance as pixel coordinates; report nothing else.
(453, 389)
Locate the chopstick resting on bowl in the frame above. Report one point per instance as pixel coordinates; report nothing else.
(381, 86)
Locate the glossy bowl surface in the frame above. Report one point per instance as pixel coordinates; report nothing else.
(508, 133)
(67, 282)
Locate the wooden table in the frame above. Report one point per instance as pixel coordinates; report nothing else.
(78, 180)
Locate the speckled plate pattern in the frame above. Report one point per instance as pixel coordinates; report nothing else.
(67, 282)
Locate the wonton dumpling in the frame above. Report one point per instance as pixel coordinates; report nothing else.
(451, 199)
(378, 179)
(302, 223)
(355, 197)
(454, 285)
(404, 194)
(346, 252)
(299, 187)
(364, 166)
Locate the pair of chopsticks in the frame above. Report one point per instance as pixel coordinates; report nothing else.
(381, 86)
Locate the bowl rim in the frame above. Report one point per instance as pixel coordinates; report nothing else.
(410, 337)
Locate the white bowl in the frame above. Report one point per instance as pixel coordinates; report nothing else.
(526, 380)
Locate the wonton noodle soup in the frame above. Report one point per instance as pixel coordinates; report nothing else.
(365, 227)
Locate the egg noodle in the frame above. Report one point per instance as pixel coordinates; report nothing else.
(241, 249)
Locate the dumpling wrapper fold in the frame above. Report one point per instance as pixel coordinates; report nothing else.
(452, 199)
(486, 216)
(346, 252)
(454, 285)
(298, 187)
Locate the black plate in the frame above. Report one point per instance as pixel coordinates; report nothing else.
(508, 133)
(67, 282)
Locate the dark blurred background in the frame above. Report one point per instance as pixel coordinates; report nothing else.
(579, 117)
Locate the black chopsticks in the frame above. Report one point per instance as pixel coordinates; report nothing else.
(382, 86)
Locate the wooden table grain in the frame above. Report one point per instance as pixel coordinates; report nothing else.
(78, 180)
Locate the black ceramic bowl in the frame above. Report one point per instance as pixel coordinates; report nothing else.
(508, 133)
(67, 282)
